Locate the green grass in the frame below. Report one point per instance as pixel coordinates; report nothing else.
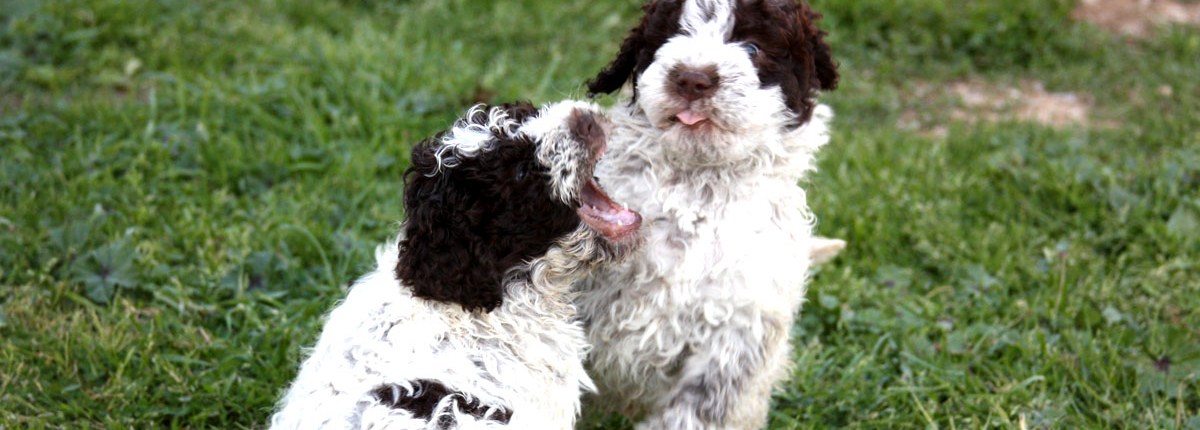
(186, 187)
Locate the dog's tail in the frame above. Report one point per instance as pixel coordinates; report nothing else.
(824, 249)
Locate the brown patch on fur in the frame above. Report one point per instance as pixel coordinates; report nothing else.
(429, 393)
(793, 54)
(468, 225)
(1136, 18)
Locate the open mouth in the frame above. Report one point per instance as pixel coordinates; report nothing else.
(596, 209)
(600, 213)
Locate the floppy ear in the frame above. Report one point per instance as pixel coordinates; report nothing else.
(813, 67)
(659, 22)
(441, 258)
(822, 55)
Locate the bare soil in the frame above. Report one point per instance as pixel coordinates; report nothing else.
(1136, 18)
(976, 100)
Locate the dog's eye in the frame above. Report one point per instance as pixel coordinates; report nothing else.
(751, 49)
(522, 171)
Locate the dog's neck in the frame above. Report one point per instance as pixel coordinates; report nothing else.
(546, 284)
(569, 260)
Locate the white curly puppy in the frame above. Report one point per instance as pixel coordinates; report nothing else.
(467, 322)
(718, 125)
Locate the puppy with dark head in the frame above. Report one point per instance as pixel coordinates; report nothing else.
(479, 205)
(718, 124)
(467, 322)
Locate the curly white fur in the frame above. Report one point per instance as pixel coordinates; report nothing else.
(693, 331)
(524, 357)
(466, 139)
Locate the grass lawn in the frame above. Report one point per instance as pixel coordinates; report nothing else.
(187, 187)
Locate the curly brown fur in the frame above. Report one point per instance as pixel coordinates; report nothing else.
(793, 55)
(425, 396)
(468, 225)
(659, 23)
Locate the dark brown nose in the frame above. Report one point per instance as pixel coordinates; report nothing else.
(693, 84)
(585, 126)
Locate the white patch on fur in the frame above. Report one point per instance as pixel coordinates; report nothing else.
(707, 17)
(467, 139)
(560, 151)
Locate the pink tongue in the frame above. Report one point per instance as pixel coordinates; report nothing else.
(621, 217)
(688, 117)
(614, 222)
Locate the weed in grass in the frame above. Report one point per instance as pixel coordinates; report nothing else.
(104, 269)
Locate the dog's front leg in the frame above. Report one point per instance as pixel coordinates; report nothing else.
(725, 382)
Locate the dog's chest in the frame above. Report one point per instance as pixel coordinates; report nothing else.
(745, 243)
(736, 260)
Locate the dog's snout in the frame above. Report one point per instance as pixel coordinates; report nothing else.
(694, 84)
(586, 127)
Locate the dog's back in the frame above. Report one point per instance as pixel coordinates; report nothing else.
(390, 360)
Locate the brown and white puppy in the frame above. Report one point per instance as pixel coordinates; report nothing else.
(467, 321)
(717, 125)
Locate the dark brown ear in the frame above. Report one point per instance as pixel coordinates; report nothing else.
(440, 255)
(659, 23)
(469, 224)
(813, 68)
(822, 55)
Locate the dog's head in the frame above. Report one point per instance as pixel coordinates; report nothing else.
(712, 67)
(499, 188)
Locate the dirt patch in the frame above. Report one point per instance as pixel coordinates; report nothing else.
(975, 100)
(1028, 102)
(1136, 18)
